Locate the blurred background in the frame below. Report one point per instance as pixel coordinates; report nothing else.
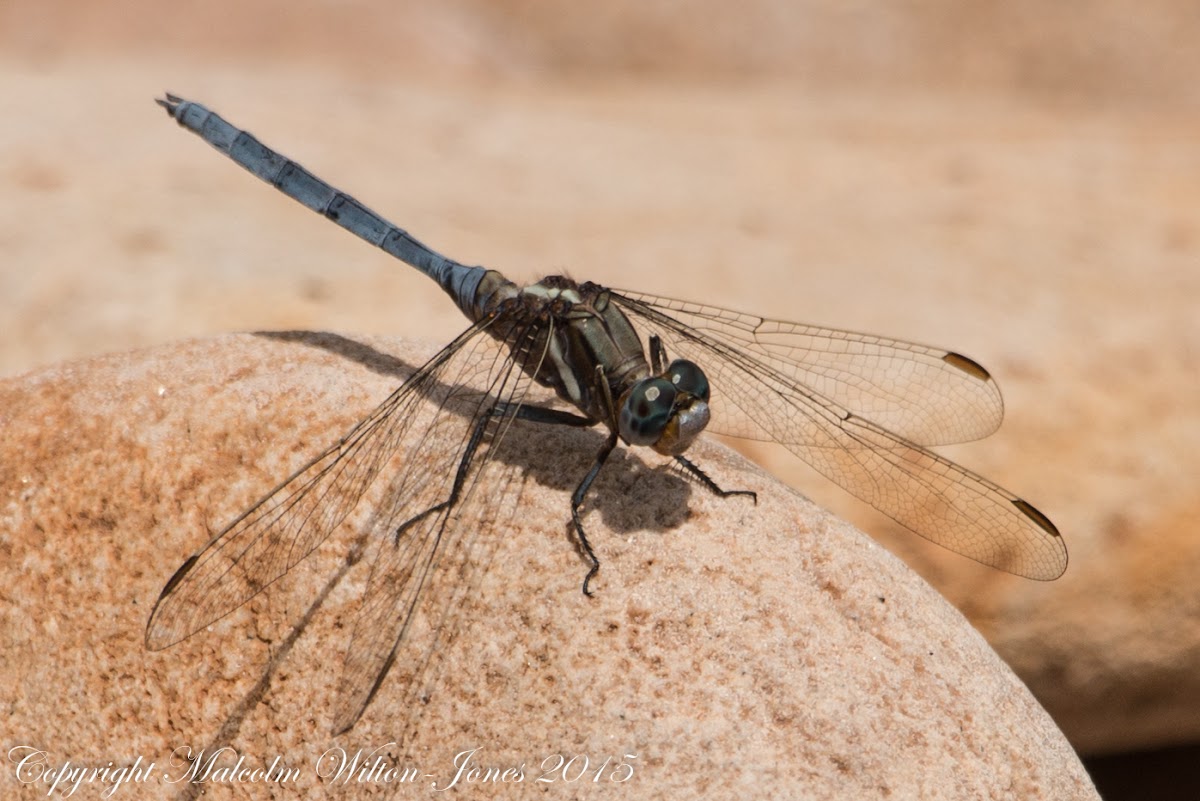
(1018, 181)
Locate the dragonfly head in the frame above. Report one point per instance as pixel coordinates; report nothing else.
(668, 411)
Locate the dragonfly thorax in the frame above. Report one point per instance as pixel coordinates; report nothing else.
(572, 338)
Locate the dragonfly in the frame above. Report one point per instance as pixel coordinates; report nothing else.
(652, 372)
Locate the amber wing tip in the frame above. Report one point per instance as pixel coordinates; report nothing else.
(966, 365)
(1060, 565)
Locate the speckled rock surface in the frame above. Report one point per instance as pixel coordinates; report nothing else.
(729, 645)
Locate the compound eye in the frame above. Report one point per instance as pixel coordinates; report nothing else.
(688, 377)
(646, 411)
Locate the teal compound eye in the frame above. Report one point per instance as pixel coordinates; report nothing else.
(687, 377)
(647, 411)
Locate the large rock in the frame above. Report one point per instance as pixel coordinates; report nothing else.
(730, 647)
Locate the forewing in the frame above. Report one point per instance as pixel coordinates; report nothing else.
(926, 395)
(423, 534)
(943, 502)
(291, 521)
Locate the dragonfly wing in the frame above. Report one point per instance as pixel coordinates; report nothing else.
(934, 497)
(424, 532)
(926, 395)
(292, 520)
(418, 436)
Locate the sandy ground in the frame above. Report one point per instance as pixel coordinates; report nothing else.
(1015, 186)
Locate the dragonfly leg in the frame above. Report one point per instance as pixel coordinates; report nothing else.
(658, 355)
(712, 486)
(577, 501)
(460, 476)
(533, 413)
(538, 414)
